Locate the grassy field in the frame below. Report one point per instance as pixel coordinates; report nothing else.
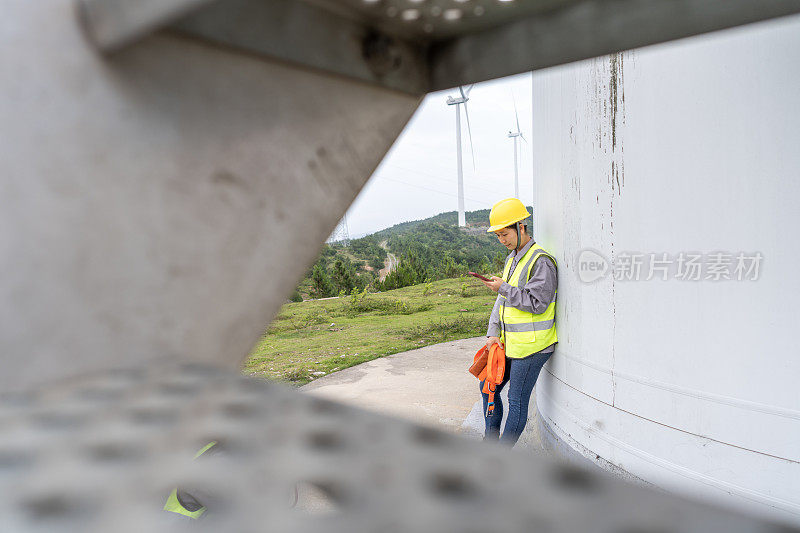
(307, 339)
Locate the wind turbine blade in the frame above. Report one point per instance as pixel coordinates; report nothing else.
(469, 130)
(469, 89)
(516, 115)
(460, 88)
(523, 137)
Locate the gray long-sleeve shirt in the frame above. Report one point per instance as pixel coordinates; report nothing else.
(533, 297)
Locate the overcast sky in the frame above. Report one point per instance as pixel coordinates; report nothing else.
(417, 178)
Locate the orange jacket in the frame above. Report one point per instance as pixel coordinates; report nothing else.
(489, 366)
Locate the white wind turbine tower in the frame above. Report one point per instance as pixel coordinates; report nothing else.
(462, 221)
(515, 135)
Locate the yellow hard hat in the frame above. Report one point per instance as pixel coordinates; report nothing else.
(506, 212)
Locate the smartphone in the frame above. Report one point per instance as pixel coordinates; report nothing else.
(479, 276)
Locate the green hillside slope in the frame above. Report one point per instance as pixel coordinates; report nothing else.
(311, 339)
(425, 250)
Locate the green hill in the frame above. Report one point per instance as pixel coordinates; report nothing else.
(426, 250)
(310, 339)
(477, 219)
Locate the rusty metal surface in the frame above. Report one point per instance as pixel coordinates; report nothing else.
(102, 454)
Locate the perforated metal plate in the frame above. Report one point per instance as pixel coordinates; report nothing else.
(102, 454)
(436, 20)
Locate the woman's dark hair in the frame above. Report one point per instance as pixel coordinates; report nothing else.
(514, 226)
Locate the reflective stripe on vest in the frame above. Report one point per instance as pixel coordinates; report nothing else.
(524, 333)
(189, 507)
(174, 505)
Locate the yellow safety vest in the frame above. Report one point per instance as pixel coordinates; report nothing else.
(525, 333)
(174, 503)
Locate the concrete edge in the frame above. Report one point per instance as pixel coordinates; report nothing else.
(561, 446)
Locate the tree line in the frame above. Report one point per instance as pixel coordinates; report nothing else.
(427, 250)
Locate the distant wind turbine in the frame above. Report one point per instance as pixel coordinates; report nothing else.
(462, 221)
(514, 135)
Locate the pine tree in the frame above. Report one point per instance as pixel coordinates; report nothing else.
(322, 286)
(344, 276)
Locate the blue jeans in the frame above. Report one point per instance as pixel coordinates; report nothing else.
(522, 375)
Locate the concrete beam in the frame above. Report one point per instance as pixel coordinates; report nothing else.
(374, 46)
(587, 29)
(163, 202)
(315, 37)
(112, 24)
(373, 42)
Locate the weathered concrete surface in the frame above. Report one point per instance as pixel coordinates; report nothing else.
(429, 386)
(147, 199)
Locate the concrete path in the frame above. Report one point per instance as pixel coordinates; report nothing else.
(429, 386)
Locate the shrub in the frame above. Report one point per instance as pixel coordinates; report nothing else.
(297, 322)
(362, 304)
(428, 285)
(321, 283)
(441, 330)
(296, 374)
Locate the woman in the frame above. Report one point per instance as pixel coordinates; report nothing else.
(523, 317)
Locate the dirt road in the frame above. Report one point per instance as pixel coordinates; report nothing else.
(390, 263)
